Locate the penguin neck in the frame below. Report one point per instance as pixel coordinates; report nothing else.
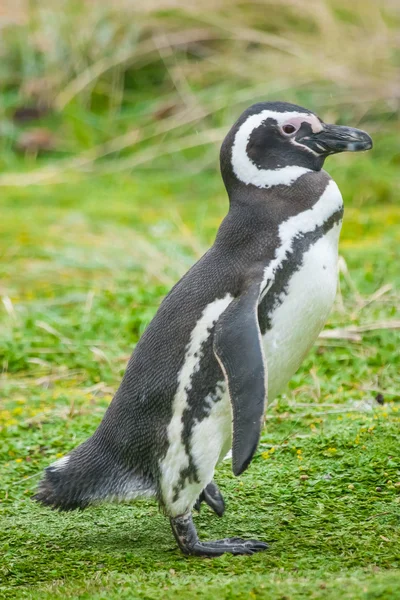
(278, 202)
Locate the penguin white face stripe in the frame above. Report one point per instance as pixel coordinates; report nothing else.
(330, 201)
(245, 169)
(176, 458)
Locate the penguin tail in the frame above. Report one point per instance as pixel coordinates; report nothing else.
(89, 475)
(59, 489)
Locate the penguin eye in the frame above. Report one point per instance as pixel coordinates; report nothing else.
(289, 128)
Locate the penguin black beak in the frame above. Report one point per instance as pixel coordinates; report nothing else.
(336, 138)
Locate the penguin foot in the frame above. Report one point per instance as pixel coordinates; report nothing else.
(186, 535)
(213, 497)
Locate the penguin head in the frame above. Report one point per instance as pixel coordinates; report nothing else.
(274, 143)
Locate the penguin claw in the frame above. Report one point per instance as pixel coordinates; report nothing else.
(188, 541)
(219, 547)
(213, 497)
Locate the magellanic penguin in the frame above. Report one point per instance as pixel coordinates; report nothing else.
(230, 333)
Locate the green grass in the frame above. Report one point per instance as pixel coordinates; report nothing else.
(84, 268)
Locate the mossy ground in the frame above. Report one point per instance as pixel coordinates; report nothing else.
(84, 268)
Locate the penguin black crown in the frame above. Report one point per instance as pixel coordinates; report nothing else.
(196, 385)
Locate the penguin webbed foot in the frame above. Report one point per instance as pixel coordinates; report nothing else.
(213, 497)
(186, 535)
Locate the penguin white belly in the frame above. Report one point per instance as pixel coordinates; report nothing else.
(295, 324)
(302, 312)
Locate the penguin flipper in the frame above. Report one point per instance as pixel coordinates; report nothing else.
(239, 351)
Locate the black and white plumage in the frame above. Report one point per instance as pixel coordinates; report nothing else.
(230, 333)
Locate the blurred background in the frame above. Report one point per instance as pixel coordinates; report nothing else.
(89, 88)
(111, 117)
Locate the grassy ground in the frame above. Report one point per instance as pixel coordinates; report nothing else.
(83, 273)
(96, 229)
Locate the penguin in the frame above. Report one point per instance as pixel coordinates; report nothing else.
(229, 334)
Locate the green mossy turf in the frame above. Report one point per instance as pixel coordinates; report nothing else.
(84, 268)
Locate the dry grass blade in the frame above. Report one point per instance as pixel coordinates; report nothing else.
(353, 333)
(25, 479)
(187, 235)
(385, 392)
(57, 174)
(8, 305)
(177, 75)
(385, 289)
(343, 269)
(47, 379)
(340, 334)
(395, 324)
(53, 331)
(210, 136)
(314, 414)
